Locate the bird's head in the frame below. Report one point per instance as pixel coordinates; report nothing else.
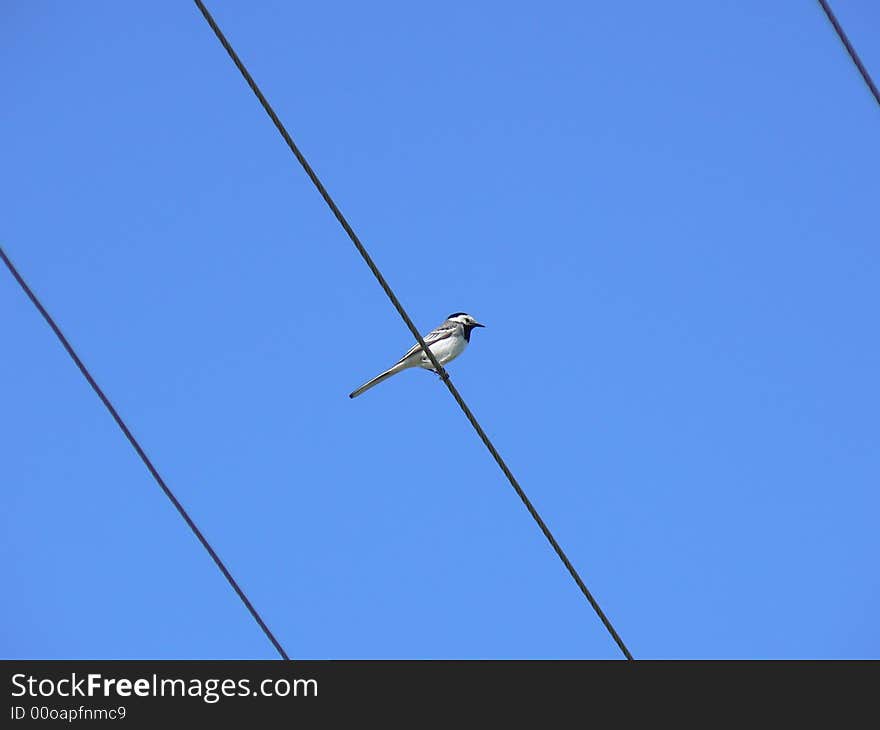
(466, 321)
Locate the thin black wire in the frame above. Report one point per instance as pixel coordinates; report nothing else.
(140, 452)
(852, 51)
(412, 328)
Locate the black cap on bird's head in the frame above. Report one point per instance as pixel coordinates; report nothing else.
(467, 321)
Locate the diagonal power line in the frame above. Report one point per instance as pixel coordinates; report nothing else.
(850, 50)
(409, 323)
(141, 453)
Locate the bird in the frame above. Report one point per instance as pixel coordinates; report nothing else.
(447, 342)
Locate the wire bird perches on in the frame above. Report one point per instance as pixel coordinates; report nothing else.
(412, 328)
(850, 50)
(141, 453)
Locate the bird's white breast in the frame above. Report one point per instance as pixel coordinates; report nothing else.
(446, 350)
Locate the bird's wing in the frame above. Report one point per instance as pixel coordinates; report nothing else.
(441, 333)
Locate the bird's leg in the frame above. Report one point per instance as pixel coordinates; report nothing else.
(431, 369)
(426, 363)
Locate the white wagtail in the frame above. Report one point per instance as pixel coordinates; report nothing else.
(447, 342)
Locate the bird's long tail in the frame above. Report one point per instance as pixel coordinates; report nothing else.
(379, 378)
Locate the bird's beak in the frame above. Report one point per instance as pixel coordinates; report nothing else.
(477, 324)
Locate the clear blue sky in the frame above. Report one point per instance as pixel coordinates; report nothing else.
(666, 214)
